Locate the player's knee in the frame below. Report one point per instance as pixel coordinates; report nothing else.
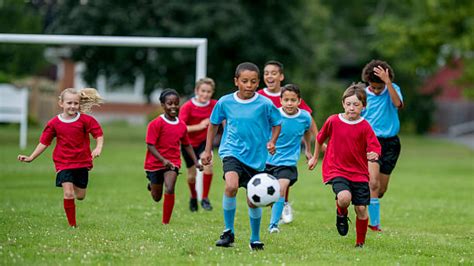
(156, 197)
(231, 189)
(169, 190)
(81, 197)
(344, 197)
(361, 211)
(68, 194)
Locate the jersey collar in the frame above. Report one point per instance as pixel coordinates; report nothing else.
(269, 93)
(245, 101)
(197, 103)
(287, 115)
(369, 91)
(69, 120)
(169, 121)
(341, 117)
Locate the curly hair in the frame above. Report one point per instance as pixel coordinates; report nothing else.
(368, 74)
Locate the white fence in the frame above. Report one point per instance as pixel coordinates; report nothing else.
(14, 108)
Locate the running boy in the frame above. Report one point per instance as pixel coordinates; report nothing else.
(296, 123)
(164, 136)
(195, 114)
(384, 98)
(72, 155)
(273, 76)
(352, 143)
(249, 119)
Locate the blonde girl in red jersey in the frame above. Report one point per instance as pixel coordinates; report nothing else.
(195, 114)
(164, 136)
(72, 155)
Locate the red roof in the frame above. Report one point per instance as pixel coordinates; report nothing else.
(445, 81)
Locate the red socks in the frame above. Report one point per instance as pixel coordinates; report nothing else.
(286, 195)
(361, 230)
(340, 210)
(168, 205)
(192, 189)
(70, 209)
(206, 183)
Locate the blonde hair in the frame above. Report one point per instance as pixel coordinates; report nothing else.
(207, 81)
(89, 97)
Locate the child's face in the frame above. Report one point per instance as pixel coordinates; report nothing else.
(272, 77)
(377, 87)
(247, 84)
(352, 107)
(171, 106)
(70, 104)
(290, 101)
(204, 93)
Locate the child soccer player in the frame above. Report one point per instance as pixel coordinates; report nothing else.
(384, 98)
(352, 143)
(195, 114)
(72, 155)
(251, 120)
(296, 123)
(273, 76)
(164, 136)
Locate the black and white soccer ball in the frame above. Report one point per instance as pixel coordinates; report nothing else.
(263, 190)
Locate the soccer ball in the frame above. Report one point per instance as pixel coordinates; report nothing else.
(263, 190)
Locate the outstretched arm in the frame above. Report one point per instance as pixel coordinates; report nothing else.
(40, 148)
(206, 156)
(98, 148)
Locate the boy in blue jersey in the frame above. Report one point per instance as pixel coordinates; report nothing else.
(251, 120)
(296, 123)
(384, 98)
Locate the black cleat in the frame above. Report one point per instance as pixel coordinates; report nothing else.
(193, 205)
(342, 224)
(256, 245)
(206, 204)
(226, 239)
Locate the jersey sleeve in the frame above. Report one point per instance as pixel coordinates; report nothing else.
(305, 107)
(274, 115)
(373, 144)
(94, 128)
(325, 131)
(218, 114)
(185, 138)
(184, 113)
(308, 121)
(49, 133)
(152, 132)
(399, 92)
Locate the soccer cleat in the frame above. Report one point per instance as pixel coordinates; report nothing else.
(342, 224)
(274, 229)
(193, 205)
(206, 204)
(256, 245)
(226, 239)
(359, 245)
(287, 214)
(375, 228)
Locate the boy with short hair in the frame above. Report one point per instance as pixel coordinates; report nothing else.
(384, 98)
(250, 119)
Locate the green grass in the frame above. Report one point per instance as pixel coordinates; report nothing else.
(427, 213)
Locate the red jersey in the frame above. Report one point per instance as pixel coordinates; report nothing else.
(275, 98)
(72, 140)
(347, 148)
(193, 112)
(166, 136)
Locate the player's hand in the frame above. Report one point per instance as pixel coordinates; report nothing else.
(308, 155)
(96, 153)
(382, 74)
(372, 156)
(168, 164)
(24, 158)
(206, 158)
(204, 123)
(312, 163)
(324, 147)
(271, 147)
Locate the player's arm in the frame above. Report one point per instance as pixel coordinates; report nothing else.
(307, 144)
(198, 127)
(158, 156)
(271, 144)
(385, 77)
(40, 148)
(190, 151)
(206, 156)
(98, 148)
(314, 160)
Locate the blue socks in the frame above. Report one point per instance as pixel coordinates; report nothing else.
(277, 209)
(229, 205)
(255, 215)
(374, 212)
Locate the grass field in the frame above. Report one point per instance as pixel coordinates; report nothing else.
(427, 213)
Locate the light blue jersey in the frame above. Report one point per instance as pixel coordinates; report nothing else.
(381, 114)
(288, 144)
(247, 129)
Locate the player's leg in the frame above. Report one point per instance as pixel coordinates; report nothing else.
(255, 218)
(191, 180)
(374, 207)
(168, 203)
(156, 180)
(69, 205)
(341, 188)
(360, 199)
(80, 181)
(384, 179)
(287, 215)
(277, 207)
(206, 182)
(229, 204)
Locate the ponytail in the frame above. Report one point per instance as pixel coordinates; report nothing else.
(89, 98)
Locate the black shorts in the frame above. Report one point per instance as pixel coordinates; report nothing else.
(390, 152)
(283, 172)
(197, 152)
(360, 190)
(158, 177)
(244, 172)
(79, 177)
